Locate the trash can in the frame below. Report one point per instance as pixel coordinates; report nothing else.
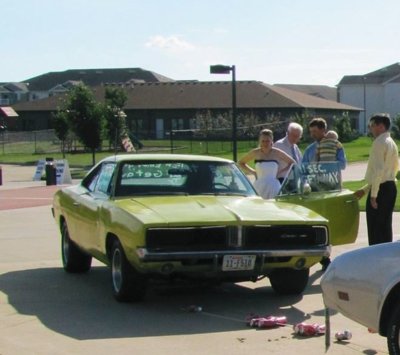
(51, 172)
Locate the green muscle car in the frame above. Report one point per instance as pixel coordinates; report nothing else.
(169, 216)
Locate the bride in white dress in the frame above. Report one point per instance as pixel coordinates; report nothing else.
(267, 161)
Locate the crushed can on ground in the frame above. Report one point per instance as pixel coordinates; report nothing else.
(343, 335)
(308, 330)
(256, 321)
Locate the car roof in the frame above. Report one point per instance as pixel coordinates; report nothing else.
(164, 157)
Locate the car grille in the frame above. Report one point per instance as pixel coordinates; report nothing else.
(226, 238)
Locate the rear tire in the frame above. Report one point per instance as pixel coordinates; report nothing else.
(74, 260)
(287, 281)
(128, 285)
(393, 332)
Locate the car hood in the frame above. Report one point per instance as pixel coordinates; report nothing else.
(212, 209)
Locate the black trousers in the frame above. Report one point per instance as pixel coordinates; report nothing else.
(379, 221)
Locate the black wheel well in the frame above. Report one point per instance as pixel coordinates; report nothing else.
(387, 310)
(110, 239)
(62, 221)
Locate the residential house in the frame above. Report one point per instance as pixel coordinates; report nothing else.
(154, 109)
(377, 91)
(47, 84)
(11, 93)
(53, 83)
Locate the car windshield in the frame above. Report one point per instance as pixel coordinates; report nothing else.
(181, 177)
(312, 177)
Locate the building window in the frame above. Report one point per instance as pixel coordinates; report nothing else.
(177, 123)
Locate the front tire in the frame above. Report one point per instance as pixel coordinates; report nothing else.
(287, 281)
(73, 259)
(393, 332)
(128, 285)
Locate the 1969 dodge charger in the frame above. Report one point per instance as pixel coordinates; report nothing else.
(167, 215)
(364, 285)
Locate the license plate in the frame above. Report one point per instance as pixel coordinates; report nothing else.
(238, 262)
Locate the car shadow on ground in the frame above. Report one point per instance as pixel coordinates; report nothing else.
(82, 306)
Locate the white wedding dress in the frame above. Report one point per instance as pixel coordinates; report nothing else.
(266, 184)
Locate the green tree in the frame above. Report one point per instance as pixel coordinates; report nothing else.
(85, 117)
(342, 126)
(115, 122)
(61, 127)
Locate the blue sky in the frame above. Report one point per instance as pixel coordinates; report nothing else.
(285, 41)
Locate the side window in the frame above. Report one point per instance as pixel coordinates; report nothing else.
(104, 180)
(93, 183)
(90, 180)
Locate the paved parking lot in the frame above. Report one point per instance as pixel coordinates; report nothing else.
(46, 311)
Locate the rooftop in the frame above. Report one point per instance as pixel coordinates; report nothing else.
(201, 95)
(93, 77)
(391, 73)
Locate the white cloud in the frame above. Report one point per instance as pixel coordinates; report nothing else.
(172, 43)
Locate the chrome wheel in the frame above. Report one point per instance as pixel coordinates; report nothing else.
(65, 245)
(116, 270)
(128, 285)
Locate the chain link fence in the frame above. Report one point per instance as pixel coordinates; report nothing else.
(29, 142)
(217, 141)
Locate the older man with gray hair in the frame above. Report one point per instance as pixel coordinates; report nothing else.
(289, 143)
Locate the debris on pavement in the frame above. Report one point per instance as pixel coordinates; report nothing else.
(308, 330)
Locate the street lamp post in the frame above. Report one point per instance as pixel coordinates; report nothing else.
(226, 69)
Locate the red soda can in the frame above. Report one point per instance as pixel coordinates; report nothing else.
(344, 335)
(306, 330)
(271, 322)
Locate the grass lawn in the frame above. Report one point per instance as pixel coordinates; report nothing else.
(355, 151)
(80, 163)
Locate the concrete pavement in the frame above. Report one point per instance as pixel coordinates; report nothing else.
(46, 311)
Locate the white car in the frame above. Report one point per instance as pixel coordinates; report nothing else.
(364, 285)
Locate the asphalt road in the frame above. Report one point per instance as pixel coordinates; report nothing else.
(46, 311)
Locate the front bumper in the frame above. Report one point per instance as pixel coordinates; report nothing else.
(149, 256)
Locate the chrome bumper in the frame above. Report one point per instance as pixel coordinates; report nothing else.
(145, 255)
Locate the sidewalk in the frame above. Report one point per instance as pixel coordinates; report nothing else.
(18, 176)
(354, 171)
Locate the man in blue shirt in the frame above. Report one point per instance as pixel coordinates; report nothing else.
(317, 128)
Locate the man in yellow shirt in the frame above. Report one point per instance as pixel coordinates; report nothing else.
(380, 177)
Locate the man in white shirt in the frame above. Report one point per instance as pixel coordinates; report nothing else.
(289, 143)
(382, 168)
